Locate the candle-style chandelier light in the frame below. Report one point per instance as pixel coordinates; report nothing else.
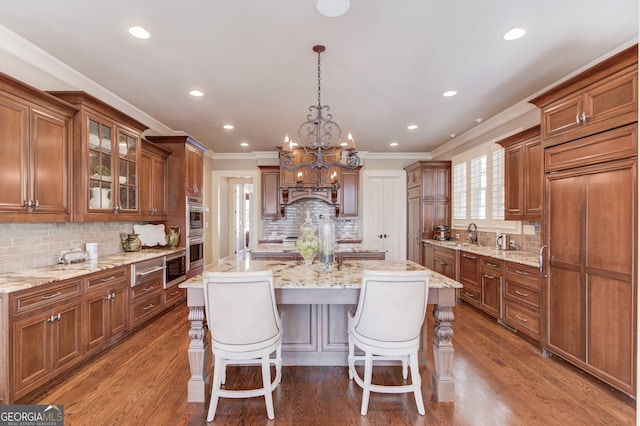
(319, 136)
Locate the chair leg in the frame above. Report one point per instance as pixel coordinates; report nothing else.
(218, 371)
(405, 367)
(266, 384)
(223, 367)
(278, 363)
(366, 389)
(351, 359)
(416, 381)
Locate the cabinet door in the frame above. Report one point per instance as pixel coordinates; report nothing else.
(270, 177)
(101, 168)
(194, 172)
(513, 182)
(444, 262)
(491, 293)
(427, 256)
(349, 185)
(470, 270)
(413, 230)
(532, 180)
(96, 313)
(14, 148)
(67, 341)
(152, 186)
(127, 182)
(118, 310)
(562, 116)
(31, 350)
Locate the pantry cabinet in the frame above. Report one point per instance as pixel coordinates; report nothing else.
(106, 165)
(523, 175)
(35, 155)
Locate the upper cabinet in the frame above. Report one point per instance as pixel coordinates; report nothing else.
(194, 170)
(270, 184)
(523, 175)
(603, 97)
(107, 155)
(35, 155)
(348, 192)
(153, 182)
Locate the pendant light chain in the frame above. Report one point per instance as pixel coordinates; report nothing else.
(319, 103)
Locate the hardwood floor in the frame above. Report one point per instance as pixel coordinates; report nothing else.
(500, 380)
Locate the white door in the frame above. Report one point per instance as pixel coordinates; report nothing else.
(384, 216)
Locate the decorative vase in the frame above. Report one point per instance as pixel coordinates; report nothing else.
(308, 243)
(327, 242)
(130, 242)
(173, 236)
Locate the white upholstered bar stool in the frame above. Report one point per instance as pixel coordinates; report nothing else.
(387, 326)
(245, 329)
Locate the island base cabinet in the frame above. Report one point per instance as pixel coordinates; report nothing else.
(45, 345)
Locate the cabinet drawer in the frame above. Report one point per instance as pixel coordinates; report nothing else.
(107, 279)
(524, 274)
(173, 295)
(492, 266)
(45, 296)
(146, 288)
(521, 294)
(471, 295)
(522, 319)
(146, 308)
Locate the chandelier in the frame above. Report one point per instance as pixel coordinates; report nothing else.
(319, 136)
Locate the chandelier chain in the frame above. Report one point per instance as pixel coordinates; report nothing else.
(319, 103)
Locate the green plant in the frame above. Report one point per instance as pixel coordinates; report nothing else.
(101, 170)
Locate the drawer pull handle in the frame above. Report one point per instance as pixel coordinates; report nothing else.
(521, 319)
(146, 308)
(468, 257)
(491, 265)
(51, 296)
(519, 293)
(148, 289)
(491, 277)
(111, 278)
(521, 272)
(466, 293)
(175, 292)
(151, 271)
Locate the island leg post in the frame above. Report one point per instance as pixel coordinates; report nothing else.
(442, 383)
(198, 347)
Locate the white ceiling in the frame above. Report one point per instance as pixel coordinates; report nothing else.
(386, 65)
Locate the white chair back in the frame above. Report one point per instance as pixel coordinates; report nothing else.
(392, 305)
(241, 309)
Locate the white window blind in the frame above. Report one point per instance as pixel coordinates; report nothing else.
(460, 191)
(478, 187)
(497, 183)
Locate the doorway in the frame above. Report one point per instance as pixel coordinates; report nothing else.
(241, 193)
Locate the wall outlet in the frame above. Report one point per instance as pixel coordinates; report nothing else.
(528, 229)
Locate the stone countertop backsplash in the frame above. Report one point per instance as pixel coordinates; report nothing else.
(16, 281)
(516, 256)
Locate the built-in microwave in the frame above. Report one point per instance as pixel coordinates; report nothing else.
(195, 216)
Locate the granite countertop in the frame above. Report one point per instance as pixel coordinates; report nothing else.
(517, 256)
(295, 274)
(16, 281)
(291, 248)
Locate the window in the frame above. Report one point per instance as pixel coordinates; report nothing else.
(478, 189)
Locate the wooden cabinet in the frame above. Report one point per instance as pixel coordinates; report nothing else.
(434, 191)
(598, 99)
(153, 182)
(106, 308)
(444, 262)
(348, 192)
(46, 334)
(194, 171)
(427, 255)
(590, 222)
(106, 163)
(470, 267)
(35, 155)
(521, 298)
(491, 286)
(147, 290)
(523, 175)
(270, 185)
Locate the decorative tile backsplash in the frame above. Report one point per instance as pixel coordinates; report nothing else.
(528, 243)
(296, 213)
(25, 246)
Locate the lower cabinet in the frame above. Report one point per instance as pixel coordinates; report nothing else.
(106, 304)
(444, 262)
(490, 281)
(470, 265)
(521, 298)
(481, 277)
(46, 335)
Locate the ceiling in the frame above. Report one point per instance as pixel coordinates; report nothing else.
(386, 65)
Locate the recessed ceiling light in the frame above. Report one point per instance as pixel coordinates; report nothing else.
(449, 93)
(514, 33)
(139, 32)
(452, 135)
(393, 144)
(244, 144)
(333, 8)
(228, 127)
(412, 126)
(196, 93)
(478, 120)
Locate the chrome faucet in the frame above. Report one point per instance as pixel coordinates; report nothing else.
(473, 235)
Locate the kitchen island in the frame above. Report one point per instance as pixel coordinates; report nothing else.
(314, 306)
(343, 251)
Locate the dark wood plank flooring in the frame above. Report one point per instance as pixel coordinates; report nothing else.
(501, 379)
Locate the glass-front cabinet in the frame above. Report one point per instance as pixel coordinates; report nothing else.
(106, 164)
